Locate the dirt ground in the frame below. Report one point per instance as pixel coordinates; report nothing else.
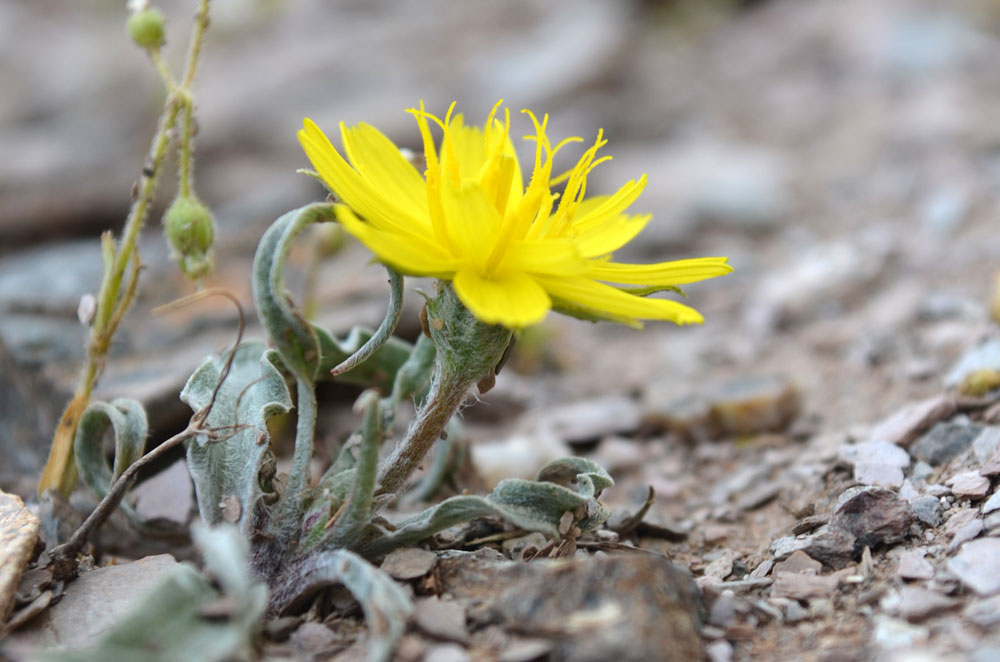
(818, 463)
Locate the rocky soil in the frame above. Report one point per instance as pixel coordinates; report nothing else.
(821, 456)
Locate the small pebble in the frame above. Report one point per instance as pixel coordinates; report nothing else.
(913, 565)
(977, 565)
(906, 424)
(719, 651)
(965, 534)
(969, 485)
(944, 442)
(993, 503)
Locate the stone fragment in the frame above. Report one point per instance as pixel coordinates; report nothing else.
(525, 650)
(758, 496)
(810, 523)
(906, 424)
(723, 611)
(879, 475)
(799, 562)
(18, 536)
(969, 485)
(913, 565)
(95, 602)
(992, 504)
(986, 444)
(784, 547)
(893, 633)
(795, 612)
(622, 608)
(876, 451)
(965, 534)
(590, 420)
(977, 565)
(991, 467)
(992, 523)
(984, 613)
(875, 516)
(444, 619)
(689, 417)
(313, 638)
(762, 570)
(447, 653)
(916, 604)
(719, 651)
(799, 586)
(721, 567)
(753, 405)
(409, 563)
(958, 519)
(167, 496)
(944, 442)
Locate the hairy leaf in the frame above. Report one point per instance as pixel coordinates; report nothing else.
(225, 468)
(387, 607)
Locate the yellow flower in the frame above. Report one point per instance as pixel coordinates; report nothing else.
(513, 252)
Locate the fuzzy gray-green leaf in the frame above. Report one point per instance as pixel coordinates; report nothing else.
(127, 420)
(226, 467)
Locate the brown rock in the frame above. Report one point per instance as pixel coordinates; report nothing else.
(918, 603)
(800, 563)
(799, 586)
(635, 607)
(18, 535)
(906, 424)
(409, 563)
(442, 619)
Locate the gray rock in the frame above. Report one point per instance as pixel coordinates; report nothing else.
(444, 619)
(913, 565)
(893, 633)
(590, 420)
(797, 586)
(992, 466)
(969, 485)
(166, 496)
(916, 604)
(985, 613)
(799, 562)
(723, 611)
(719, 651)
(986, 444)
(977, 565)
(876, 451)
(906, 424)
(879, 475)
(313, 638)
(984, 356)
(95, 602)
(944, 442)
(992, 504)
(409, 563)
(447, 653)
(786, 546)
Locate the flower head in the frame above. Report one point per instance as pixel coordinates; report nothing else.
(513, 251)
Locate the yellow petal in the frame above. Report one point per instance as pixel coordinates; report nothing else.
(467, 145)
(471, 220)
(678, 272)
(604, 298)
(609, 207)
(351, 187)
(379, 161)
(409, 254)
(512, 298)
(610, 235)
(545, 256)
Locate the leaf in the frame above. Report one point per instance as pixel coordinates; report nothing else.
(530, 505)
(357, 509)
(387, 607)
(183, 617)
(227, 469)
(293, 337)
(127, 420)
(378, 371)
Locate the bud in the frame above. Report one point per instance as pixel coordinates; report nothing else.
(147, 27)
(190, 229)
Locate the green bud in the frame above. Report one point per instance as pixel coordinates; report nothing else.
(147, 27)
(190, 229)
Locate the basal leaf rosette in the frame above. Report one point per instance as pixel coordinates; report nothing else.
(513, 251)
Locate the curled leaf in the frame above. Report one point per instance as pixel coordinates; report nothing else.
(226, 467)
(127, 421)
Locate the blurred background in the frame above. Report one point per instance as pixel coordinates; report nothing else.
(845, 154)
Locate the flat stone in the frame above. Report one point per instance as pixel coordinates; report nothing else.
(18, 536)
(913, 565)
(590, 420)
(875, 452)
(977, 565)
(719, 651)
(721, 567)
(992, 504)
(689, 417)
(447, 653)
(313, 638)
(986, 444)
(786, 546)
(991, 467)
(985, 613)
(969, 485)
(525, 650)
(879, 475)
(799, 562)
(893, 633)
(958, 518)
(634, 607)
(95, 602)
(799, 586)
(875, 516)
(444, 619)
(918, 603)
(944, 442)
(752, 405)
(409, 563)
(906, 424)
(166, 496)
(965, 534)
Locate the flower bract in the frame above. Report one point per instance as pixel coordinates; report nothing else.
(513, 249)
